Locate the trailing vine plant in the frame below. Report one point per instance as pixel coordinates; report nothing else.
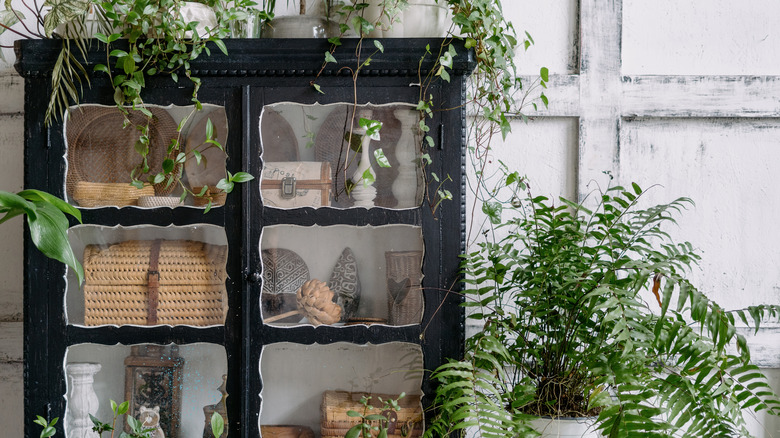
(142, 38)
(137, 429)
(162, 42)
(496, 93)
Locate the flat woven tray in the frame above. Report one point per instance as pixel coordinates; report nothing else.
(191, 276)
(101, 151)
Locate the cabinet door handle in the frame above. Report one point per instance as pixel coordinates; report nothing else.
(254, 277)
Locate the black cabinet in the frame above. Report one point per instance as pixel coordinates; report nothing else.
(361, 236)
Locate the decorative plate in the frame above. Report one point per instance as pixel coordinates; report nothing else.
(212, 169)
(284, 272)
(278, 138)
(101, 151)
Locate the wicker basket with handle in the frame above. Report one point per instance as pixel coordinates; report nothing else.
(406, 423)
(150, 282)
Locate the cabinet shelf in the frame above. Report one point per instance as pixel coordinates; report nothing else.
(129, 335)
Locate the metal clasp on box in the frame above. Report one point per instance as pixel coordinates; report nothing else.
(288, 187)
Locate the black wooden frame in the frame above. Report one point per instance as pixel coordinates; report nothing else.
(257, 72)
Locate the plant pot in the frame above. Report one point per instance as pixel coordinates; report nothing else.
(566, 427)
(203, 14)
(248, 27)
(425, 19)
(299, 26)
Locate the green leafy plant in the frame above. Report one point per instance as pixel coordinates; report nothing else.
(137, 430)
(372, 425)
(586, 311)
(47, 222)
(496, 91)
(142, 38)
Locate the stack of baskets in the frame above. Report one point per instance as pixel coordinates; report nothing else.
(405, 423)
(144, 282)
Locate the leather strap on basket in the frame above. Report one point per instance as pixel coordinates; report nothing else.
(153, 283)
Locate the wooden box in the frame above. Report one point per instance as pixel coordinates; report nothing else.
(292, 184)
(406, 423)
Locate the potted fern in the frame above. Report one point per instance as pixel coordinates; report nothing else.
(587, 313)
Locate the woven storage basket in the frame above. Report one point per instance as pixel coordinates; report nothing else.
(191, 277)
(335, 421)
(213, 194)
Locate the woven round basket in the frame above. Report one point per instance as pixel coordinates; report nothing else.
(100, 150)
(159, 201)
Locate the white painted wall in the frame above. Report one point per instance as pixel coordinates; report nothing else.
(681, 94)
(652, 101)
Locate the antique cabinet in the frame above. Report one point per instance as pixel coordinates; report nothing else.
(308, 217)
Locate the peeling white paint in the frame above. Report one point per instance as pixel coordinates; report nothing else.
(713, 37)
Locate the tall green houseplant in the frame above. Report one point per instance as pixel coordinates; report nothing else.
(587, 312)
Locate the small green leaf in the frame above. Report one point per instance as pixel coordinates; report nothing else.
(221, 45)
(225, 185)
(379, 46)
(493, 211)
(167, 166)
(545, 74)
(368, 177)
(380, 158)
(354, 431)
(241, 177)
(317, 88)
(217, 424)
(329, 57)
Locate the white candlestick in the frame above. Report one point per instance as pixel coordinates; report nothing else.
(405, 186)
(82, 400)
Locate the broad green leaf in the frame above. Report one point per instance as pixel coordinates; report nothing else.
(329, 57)
(8, 18)
(14, 205)
(37, 195)
(49, 233)
(63, 11)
